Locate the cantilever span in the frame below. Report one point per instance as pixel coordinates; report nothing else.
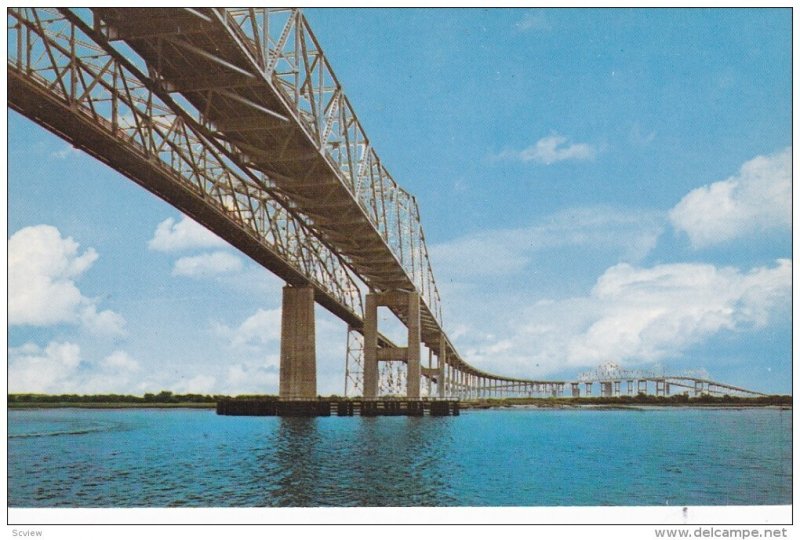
(236, 118)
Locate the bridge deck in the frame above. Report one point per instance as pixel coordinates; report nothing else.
(212, 66)
(208, 63)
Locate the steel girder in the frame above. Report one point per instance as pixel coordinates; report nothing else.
(285, 49)
(74, 84)
(261, 83)
(65, 73)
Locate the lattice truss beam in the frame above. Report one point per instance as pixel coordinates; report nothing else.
(691, 379)
(285, 49)
(57, 52)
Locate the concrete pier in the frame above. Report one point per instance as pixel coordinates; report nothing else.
(441, 385)
(413, 347)
(371, 347)
(408, 304)
(343, 407)
(298, 369)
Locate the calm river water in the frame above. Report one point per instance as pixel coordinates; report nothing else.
(163, 458)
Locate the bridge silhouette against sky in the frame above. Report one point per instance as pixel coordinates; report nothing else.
(236, 118)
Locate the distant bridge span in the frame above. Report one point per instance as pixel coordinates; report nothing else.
(235, 117)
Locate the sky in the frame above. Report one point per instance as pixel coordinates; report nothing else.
(595, 186)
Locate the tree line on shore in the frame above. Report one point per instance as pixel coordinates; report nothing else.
(648, 399)
(169, 397)
(161, 397)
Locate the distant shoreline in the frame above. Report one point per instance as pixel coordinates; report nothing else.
(167, 400)
(109, 405)
(625, 407)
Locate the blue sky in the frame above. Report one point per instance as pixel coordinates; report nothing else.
(595, 185)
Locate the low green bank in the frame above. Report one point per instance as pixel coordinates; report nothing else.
(167, 399)
(681, 400)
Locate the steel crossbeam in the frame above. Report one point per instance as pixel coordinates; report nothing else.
(235, 117)
(320, 161)
(94, 98)
(66, 73)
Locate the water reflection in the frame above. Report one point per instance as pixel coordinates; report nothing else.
(397, 461)
(482, 458)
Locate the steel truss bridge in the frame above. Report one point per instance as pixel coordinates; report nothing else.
(236, 118)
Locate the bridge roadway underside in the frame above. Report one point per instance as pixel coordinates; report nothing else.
(298, 371)
(298, 357)
(254, 115)
(91, 136)
(94, 136)
(204, 58)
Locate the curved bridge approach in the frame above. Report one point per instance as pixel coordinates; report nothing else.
(236, 118)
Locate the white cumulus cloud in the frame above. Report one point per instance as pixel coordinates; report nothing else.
(652, 313)
(261, 328)
(59, 368)
(120, 361)
(632, 316)
(181, 235)
(33, 369)
(42, 270)
(253, 378)
(630, 234)
(104, 323)
(207, 264)
(554, 148)
(756, 199)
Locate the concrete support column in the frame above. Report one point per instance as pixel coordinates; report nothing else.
(588, 389)
(298, 370)
(371, 347)
(641, 387)
(430, 370)
(414, 338)
(630, 387)
(442, 359)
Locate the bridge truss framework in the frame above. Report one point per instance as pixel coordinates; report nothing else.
(236, 118)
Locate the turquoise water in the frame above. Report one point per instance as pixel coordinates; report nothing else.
(163, 458)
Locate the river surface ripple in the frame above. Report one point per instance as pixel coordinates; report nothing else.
(562, 457)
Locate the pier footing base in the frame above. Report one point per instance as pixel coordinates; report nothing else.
(349, 407)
